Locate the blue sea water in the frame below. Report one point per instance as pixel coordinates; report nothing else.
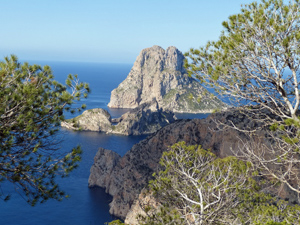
(86, 206)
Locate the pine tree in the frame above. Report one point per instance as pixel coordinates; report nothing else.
(32, 105)
(256, 63)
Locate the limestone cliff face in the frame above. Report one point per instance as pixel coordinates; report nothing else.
(159, 74)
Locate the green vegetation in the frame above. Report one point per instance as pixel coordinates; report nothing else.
(196, 103)
(196, 187)
(256, 63)
(190, 99)
(91, 111)
(216, 110)
(115, 222)
(170, 95)
(200, 186)
(253, 52)
(199, 99)
(31, 109)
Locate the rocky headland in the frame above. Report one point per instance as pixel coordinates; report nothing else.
(128, 175)
(90, 120)
(145, 119)
(131, 173)
(159, 74)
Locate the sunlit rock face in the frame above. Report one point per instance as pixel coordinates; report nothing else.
(159, 74)
(91, 120)
(147, 118)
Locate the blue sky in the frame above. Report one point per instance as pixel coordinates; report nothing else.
(112, 31)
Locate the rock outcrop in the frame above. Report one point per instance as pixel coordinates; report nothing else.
(145, 119)
(159, 74)
(91, 120)
(134, 170)
(144, 200)
(104, 163)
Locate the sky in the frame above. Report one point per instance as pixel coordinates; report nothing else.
(108, 31)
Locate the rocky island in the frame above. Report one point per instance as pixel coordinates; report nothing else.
(145, 119)
(156, 87)
(159, 74)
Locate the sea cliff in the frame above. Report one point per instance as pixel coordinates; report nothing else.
(132, 172)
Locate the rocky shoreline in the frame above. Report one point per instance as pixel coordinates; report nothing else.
(131, 173)
(125, 178)
(145, 119)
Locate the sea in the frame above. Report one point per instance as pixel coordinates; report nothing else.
(85, 206)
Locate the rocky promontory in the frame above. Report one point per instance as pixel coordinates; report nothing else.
(133, 171)
(145, 119)
(104, 162)
(90, 120)
(159, 74)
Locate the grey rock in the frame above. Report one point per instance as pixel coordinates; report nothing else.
(159, 74)
(104, 162)
(93, 120)
(144, 199)
(145, 119)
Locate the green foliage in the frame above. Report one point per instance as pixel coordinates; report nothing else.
(250, 57)
(255, 62)
(196, 187)
(199, 99)
(277, 213)
(115, 222)
(163, 216)
(216, 110)
(31, 109)
(170, 95)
